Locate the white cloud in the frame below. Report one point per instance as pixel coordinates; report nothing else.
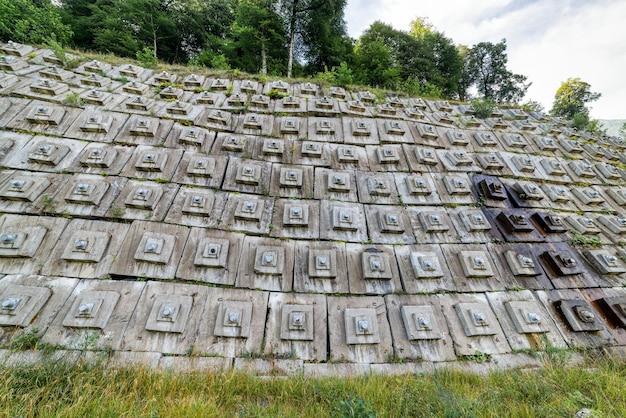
(548, 40)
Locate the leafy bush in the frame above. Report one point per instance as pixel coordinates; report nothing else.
(147, 57)
(483, 108)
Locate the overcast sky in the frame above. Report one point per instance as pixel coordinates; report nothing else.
(548, 41)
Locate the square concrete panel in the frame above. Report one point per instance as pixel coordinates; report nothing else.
(197, 207)
(201, 170)
(46, 303)
(92, 309)
(389, 225)
(211, 256)
(151, 163)
(292, 127)
(144, 130)
(166, 319)
(247, 213)
(476, 319)
(417, 189)
(325, 129)
(358, 329)
(44, 118)
(475, 264)
(605, 261)
(46, 154)
(312, 153)
(418, 328)
(372, 269)
(348, 157)
(320, 267)
(86, 249)
(233, 319)
(394, 131)
(222, 333)
(342, 221)
(26, 192)
(335, 185)
(96, 126)
(377, 188)
(296, 326)
(247, 176)
(296, 219)
(386, 158)
(96, 311)
(101, 159)
(88, 195)
(580, 316)
(292, 181)
(151, 250)
(526, 323)
(20, 304)
(143, 200)
(473, 325)
(27, 242)
(266, 264)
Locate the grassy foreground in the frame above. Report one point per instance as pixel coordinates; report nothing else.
(53, 389)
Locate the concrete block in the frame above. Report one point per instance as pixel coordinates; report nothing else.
(325, 129)
(199, 169)
(95, 316)
(232, 323)
(101, 159)
(389, 225)
(267, 264)
(144, 200)
(377, 188)
(150, 250)
(247, 176)
(358, 329)
(342, 221)
(335, 185)
(190, 138)
(144, 130)
(320, 267)
(197, 207)
(40, 300)
(296, 219)
(296, 327)
(86, 249)
(248, 213)
(372, 269)
(473, 325)
(423, 268)
(151, 163)
(211, 256)
(166, 319)
(27, 242)
(419, 329)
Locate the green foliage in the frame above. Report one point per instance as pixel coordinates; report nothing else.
(487, 66)
(27, 340)
(533, 106)
(340, 76)
(57, 388)
(147, 57)
(355, 407)
(585, 241)
(73, 100)
(571, 98)
(58, 50)
(33, 22)
(483, 108)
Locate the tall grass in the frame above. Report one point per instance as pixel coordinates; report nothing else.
(58, 389)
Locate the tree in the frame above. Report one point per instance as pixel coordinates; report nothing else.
(487, 67)
(326, 43)
(33, 22)
(572, 97)
(257, 37)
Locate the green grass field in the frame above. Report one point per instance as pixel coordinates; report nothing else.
(57, 389)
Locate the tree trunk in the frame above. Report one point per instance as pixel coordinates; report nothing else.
(263, 60)
(292, 36)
